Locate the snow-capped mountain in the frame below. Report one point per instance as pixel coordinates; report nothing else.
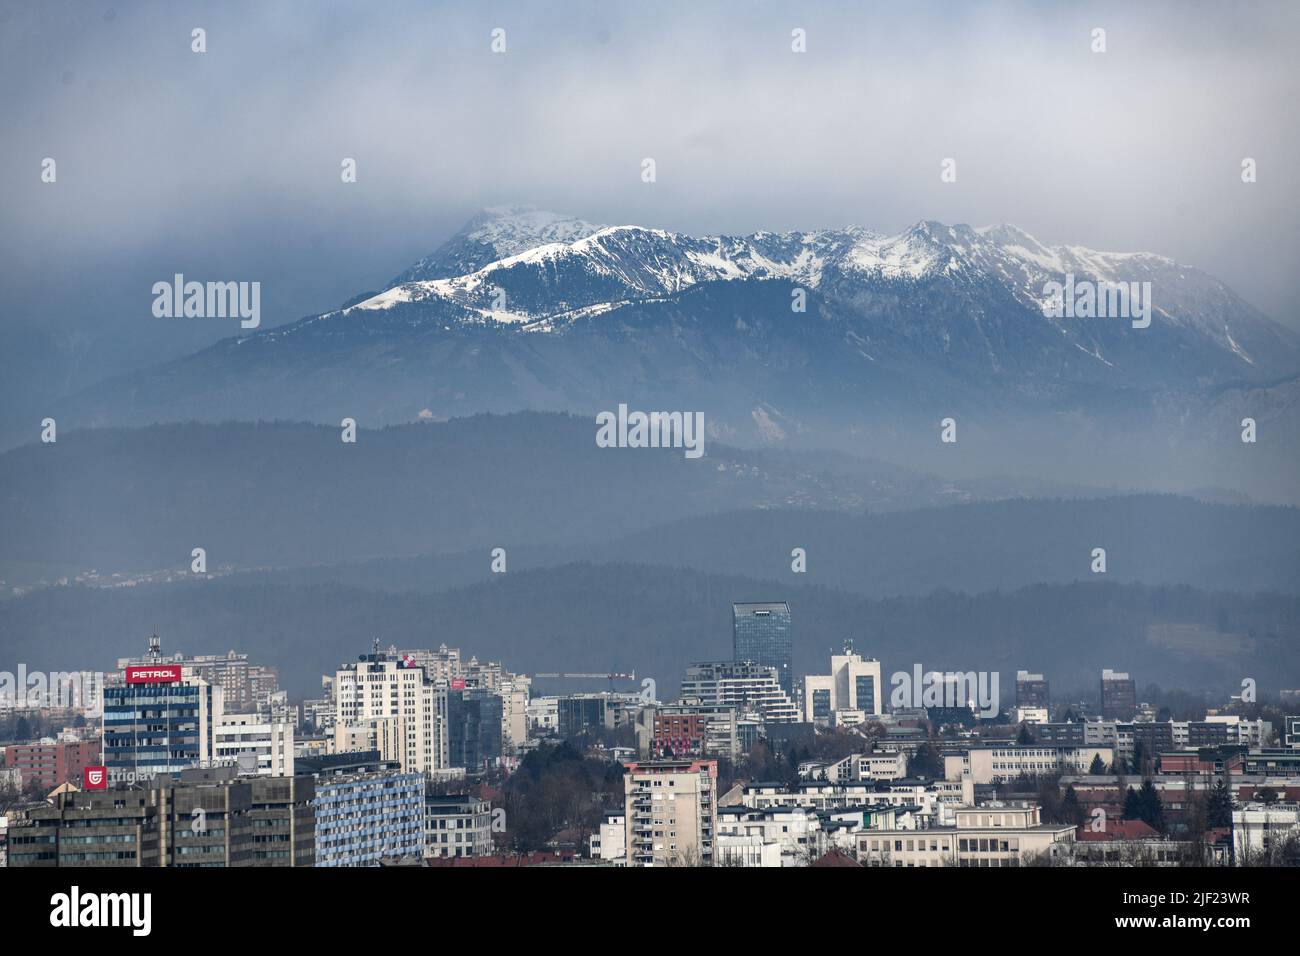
(495, 233)
(539, 270)
(531, 310)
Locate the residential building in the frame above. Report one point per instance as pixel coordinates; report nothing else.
(366, 819)
(264, 746)
(1261, 831)
(1032, 690)
(609, 842)
(1118, 695)
(457, 825)
(746, 686)
(49, 762)
(380, 685)
(673, 726)
(874, 765)
(995, 764)
(670, 810)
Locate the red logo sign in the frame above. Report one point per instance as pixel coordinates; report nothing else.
(154, 674)
(458, 683)
(95, 778)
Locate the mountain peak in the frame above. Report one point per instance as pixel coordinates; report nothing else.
(496, 232)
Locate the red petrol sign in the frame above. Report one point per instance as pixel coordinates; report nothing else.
(154, 674)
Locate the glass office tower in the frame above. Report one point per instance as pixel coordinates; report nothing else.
(761, 633)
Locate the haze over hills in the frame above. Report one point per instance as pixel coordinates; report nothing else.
(655, 620)
(530, 310)
(289, 496)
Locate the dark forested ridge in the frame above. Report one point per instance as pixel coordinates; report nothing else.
(1151, 539)
(655, 620)
(286, 496)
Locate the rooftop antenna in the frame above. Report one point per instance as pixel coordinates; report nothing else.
(155, 648)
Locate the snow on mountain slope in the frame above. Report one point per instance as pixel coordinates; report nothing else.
(540, 270)
(496, 233)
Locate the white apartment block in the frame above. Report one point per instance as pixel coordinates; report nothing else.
(794, 831)
(749, 688)
(609, 842)
(997, 764)
(458, 825)
(991, 835)
(1258, 830)
(267, 744)
(380, 687)
(746, 851)
(876, 765)
(931, 803)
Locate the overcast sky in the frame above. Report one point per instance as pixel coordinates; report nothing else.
(225, 165)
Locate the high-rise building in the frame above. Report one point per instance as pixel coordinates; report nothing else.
(849, 694)
(369, 818)
(1032, 690)
(381, 686)
(745, 686)
(514, 713)
(1118, 695)
(670, 808)
(473, 729)
(159, 719)
(245, 686)
(762, 633)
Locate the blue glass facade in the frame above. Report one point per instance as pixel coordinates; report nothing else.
(762, 633)
(154, 728)
(473, 728)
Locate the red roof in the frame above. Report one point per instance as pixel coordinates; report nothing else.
(835, 858)
(1119, 830)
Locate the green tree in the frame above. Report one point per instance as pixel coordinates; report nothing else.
(1071, 809)
(1144, 804)
(1218, 805)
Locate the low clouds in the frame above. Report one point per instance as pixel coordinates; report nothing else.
(225, 165)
